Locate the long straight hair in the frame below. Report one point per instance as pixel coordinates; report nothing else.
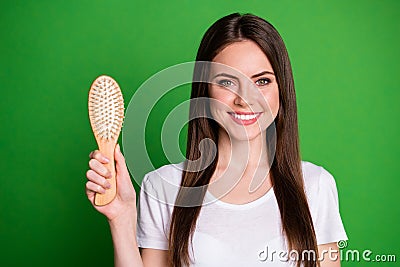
(285, 172)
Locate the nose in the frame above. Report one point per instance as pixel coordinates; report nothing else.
(244, 96)
(239, 101)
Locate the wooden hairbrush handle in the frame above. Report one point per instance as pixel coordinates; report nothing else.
(107, 149)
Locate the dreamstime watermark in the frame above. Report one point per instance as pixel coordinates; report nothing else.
(345, 255)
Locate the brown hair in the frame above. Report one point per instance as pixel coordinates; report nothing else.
(285, 170)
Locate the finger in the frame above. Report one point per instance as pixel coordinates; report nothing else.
(95, 187)
(97, 179)
(96, 154)
(90, 194)
(98, 167)
(120, 164)
(124, 182)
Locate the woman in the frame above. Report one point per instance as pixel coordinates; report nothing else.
(251, 116)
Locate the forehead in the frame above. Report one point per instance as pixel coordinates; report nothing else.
(245, 57)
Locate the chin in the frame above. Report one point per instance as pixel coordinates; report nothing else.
(242, 136)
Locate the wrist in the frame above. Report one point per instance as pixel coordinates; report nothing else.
(127, 218)
(123, 228)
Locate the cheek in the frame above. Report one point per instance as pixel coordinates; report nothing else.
(272, 98)
(221, 97)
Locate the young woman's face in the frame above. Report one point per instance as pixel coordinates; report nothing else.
(243, 90)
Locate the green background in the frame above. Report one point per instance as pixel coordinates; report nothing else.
(344, 55)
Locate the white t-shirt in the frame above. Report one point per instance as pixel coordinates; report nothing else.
(236, 234)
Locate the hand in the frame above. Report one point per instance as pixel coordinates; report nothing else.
(124, 204)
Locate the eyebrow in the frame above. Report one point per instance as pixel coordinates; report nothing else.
(234, 77)
(262, 73)
(225, 75)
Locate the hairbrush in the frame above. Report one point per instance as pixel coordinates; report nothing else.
(106, 114)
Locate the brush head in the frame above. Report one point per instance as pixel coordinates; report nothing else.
(106, 108)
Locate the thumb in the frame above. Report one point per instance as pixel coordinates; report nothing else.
(120, 164)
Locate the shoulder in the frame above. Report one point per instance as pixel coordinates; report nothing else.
(322, 195)
(315, 175)
(163, 183)
(170, 173)
(317, 180)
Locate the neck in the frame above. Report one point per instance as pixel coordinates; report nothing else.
(245, 161)
(242, 153)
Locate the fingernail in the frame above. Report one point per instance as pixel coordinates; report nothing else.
(108, 185)
(106, 159)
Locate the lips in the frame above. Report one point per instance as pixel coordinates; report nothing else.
(245, 118)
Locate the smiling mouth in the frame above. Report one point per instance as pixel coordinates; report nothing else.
(245, 118)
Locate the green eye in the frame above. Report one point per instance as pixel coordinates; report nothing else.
(263, 81)
(225, 83)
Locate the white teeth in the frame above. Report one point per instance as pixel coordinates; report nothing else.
(244, 117)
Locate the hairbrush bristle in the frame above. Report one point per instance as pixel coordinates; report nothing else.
(106, 108)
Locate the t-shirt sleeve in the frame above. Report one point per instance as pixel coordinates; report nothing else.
(328, 223)
(153, 218)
